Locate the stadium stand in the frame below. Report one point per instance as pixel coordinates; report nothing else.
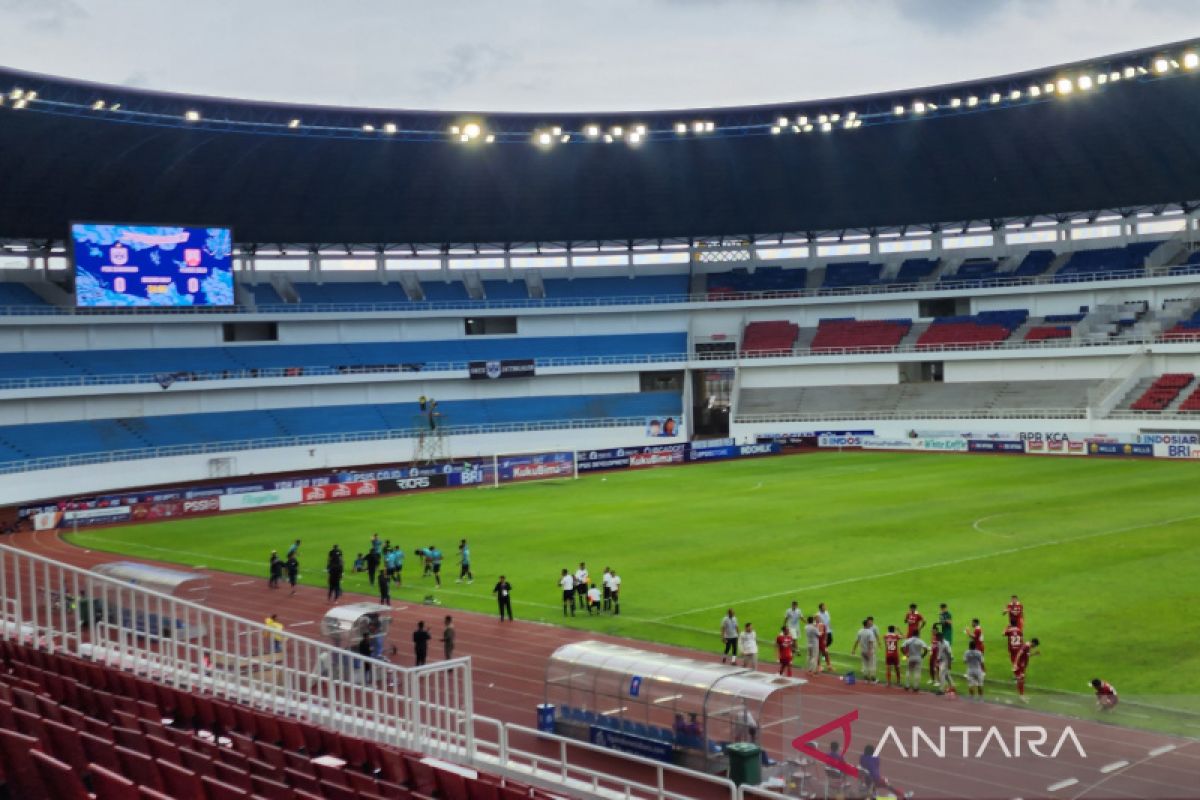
(444, 292)
(1185, 329)
(764, 279)
(776, 337)
(850, 334)
(18, 442)
(264, 294)
(505, 290)
(18, 294)
(671, 286)
(854, 273)
(1163, 391)
(350, 293)
(916, 270)
(1035, 263)
(973, 270)
(1110, 259)
(861, 402)
(986, 327)
(315, 359)
(73, 729)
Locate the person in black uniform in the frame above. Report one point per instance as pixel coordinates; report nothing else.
(276, 570)
(293, 570)
(334, 567)
(372, 565)
(421, 639)
(503, 592)
(385, 589)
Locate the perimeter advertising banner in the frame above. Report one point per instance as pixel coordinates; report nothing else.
(536, 466)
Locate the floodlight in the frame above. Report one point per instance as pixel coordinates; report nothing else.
(557, 131)
(1065, 86)
(1191, 60)
(823, 118)
(801, 120)
(1015, 94)
(544, 139)
(955, 102)
(826, 127)
(635, 137)
(775, 129)
(1130, 72)
(491, 137)
(454, 129)
(566, 137)
(796, 129)
(1035, 91)
(115, 107)
(294, 123)
(681, 128)
(972, 101)
(853, 115)
(1161, 65)
(618, 131)
(390, 127)
(640, 130)
(608, 138)
(918, 107)
(464, 138)
(1084, 83)
(16, 94)
(995, 98)
(698, 127)
(368, 128)
(898, 111)
(1114, 76)
(835, 117)
(472, 129)
(192, 116)
(808, 128)
(19, 103)
(98, 105)
(782, 122)
(31, 96)
(1101, 79)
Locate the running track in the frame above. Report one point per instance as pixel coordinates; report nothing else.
(509, 661)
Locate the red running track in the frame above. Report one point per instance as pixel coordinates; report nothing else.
(509, 659)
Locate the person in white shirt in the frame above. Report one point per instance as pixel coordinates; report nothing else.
(749, 644)
(791, 620)
(729, 636)
(864, 643)
(593, 597)
(914, 649)
(606, 581)
(568, 592)
(616, 592)
(823, 615)
(582, 580)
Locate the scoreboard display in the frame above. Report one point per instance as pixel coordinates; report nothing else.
(144, 265)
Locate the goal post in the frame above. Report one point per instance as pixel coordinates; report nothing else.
(546, 465)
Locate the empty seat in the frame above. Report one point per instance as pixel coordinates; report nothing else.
(61, 781)
(111, 785)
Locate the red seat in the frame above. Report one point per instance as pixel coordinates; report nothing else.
(66, 745)
(185, 710)
(140, 768)
(301, 780)
(24, 780)
(331, 774)
(482, 790)
(110, 785)
(180, 783)
(226, 755)
(360, 782)
(423, 778)
(335, 791)
(243, 744)
(161, 748)
(292, 734)
(31, 725)
(100, 751)
(246, 721)
(312, 738)
(271, 790)
(225, 715)
(198, 763)
(146, 793)
(98, 728)
(354, 752)
(450, 785)
(218, 790)
(133, 739)
(267, 729)
(271, 755)
(62, 782)
(232, 775)
(48, 708)
(393, 767)
(299, 762)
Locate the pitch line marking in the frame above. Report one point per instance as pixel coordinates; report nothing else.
(1054, 787)
(937, 564)
(1158, 751)
(1114, 766)
(977, 525)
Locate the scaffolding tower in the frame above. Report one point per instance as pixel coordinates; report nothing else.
(430, 444)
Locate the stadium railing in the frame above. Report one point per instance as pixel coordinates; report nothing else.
(175, 641)
(196, 648)
(593, 302)
(977, 413)
(83, 459)
(297, 371)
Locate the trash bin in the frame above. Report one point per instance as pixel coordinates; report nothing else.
(745, 763)
(545, 717)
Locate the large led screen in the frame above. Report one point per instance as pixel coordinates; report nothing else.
(144, 265)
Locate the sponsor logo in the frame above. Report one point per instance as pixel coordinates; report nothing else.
(492, 369)
(201, 505)
(419, 482)
(118, 254)
(653, 459)
(191, 256)
(541, 470)
(1168, 438)
(341, 490)
(757, 449)
(839, 441)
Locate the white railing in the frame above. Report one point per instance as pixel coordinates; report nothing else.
(950, 285)
(976, 413)
(184, 643)
(1103, 399)
(202, 448)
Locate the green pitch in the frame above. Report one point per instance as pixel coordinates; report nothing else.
(1104, 553)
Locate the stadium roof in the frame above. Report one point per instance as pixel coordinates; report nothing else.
(1112, 133)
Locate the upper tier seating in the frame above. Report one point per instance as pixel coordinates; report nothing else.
(1188, 328)
(775, 337)
(350, 293)
(986, 327)
(850, 334)
(331, 358)
(264, 294)
(18, 294)
(852, 273)
(1163, 391)
(72, 729)
(443, 292)
(20, 442)
(862, 402)
(1040, 333)
(505, 290)
(915, 270)
(649, 286)
(974, 270)
(1035, 263)
(1110, 259)
(764, 279)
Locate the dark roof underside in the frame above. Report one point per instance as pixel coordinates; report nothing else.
(1132, 144)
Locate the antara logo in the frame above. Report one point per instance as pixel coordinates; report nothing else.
(1024, 739)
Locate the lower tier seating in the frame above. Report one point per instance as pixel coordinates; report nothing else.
(850, 334)
(1163, 391)
(777, 337)
(72, 729)
(21, 442)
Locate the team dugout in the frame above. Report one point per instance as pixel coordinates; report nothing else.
(667, 707)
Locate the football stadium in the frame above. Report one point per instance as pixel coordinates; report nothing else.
(832, 448)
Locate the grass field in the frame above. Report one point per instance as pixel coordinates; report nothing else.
(1104, 553)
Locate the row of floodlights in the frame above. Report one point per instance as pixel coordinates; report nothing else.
(470, 132)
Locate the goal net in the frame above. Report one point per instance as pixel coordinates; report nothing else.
(505, 468)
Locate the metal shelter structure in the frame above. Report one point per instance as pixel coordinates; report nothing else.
(680, 710)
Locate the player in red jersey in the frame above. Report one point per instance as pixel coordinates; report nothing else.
(823, 646)
(1021, 663)
(786, 646)
(975, 632)
(1106, 695)
(891, 650)
(1016, 613)
(1014, 636)
(914, 620)
(935, 640)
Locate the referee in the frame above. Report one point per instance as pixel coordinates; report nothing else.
(503, 592)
